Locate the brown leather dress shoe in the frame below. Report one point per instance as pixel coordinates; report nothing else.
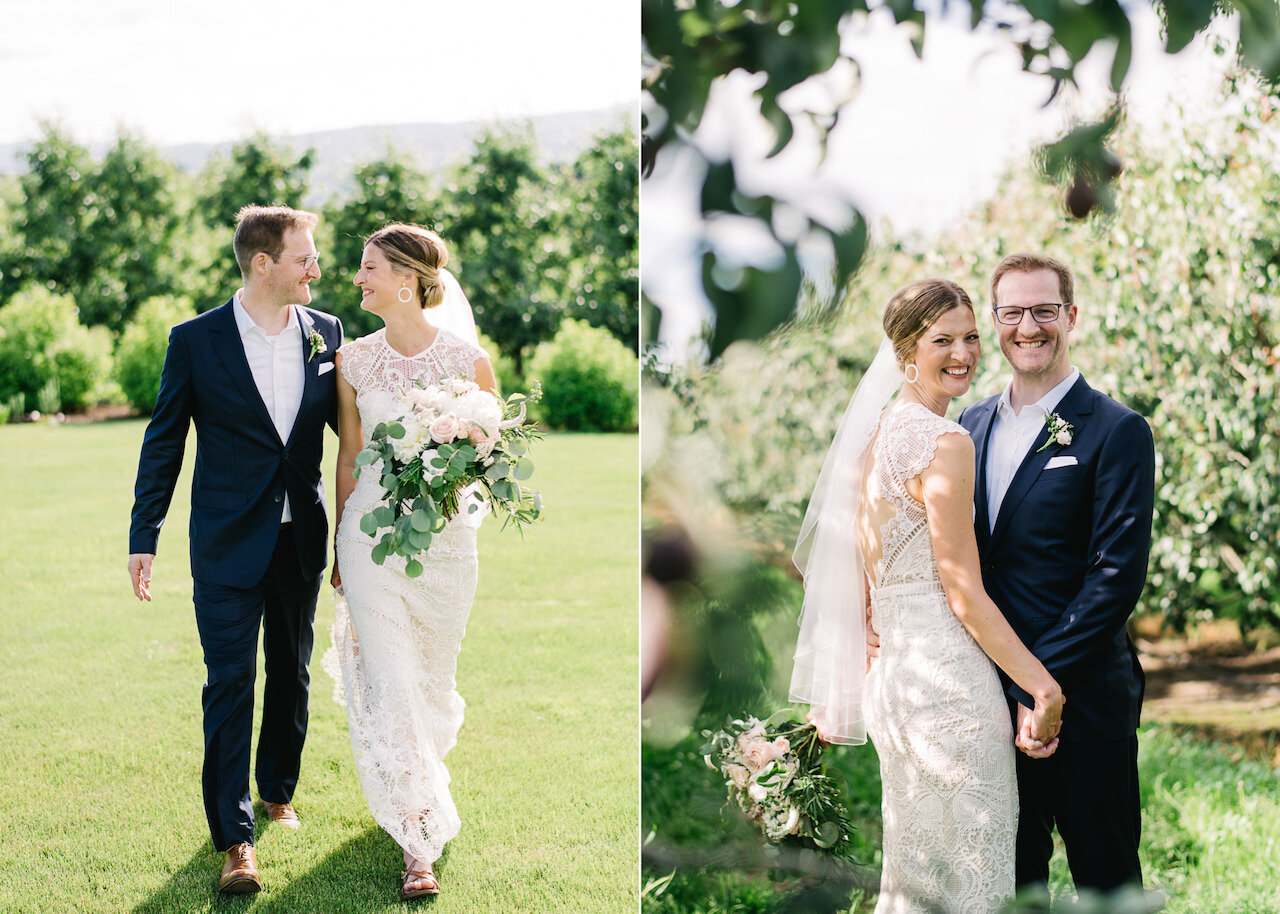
(283, 813)
(240, 872)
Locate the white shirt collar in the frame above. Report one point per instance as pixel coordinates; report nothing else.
(245, 324)
(1046, 404)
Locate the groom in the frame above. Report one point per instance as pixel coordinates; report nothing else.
(1064, 494)
(256, 377)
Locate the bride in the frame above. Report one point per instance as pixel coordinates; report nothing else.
(396, 639)
(889, 534)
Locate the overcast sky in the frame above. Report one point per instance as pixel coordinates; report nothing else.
(199, 71)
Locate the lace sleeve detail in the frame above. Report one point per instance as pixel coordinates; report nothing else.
(458, 357)
(357, 358)
(915, 440)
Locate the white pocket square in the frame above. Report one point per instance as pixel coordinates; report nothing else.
(328, 366)
(1063, 460)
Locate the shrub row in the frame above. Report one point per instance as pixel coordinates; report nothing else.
(50, 361)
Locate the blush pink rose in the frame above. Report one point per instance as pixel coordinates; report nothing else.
(759, 753)
(445, 428)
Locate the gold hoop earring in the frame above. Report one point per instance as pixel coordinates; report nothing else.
(911, 373)
(404, 294)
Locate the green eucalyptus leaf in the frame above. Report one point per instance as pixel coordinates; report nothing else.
(413, 568)
(369, 524)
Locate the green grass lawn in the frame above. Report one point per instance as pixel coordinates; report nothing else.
(100, 741)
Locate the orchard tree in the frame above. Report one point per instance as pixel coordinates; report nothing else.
(390, 188)
(132, 226)
(495, 216)
(602, 222)
(258, 170)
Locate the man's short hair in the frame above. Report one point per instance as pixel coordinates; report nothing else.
(1031, 263)
(261, 229)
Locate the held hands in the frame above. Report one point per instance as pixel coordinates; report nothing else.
(335, 579)
(140, 573)
(1038, 728)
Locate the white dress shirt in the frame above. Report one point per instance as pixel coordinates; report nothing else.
(277, 366)
(1012, 435)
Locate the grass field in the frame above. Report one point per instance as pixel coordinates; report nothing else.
(100, 741)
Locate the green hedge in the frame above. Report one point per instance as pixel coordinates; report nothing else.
(43, 347)
(142, 347)
(590, 381)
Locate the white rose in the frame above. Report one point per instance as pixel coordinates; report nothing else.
(1064, 437)
(757, 792)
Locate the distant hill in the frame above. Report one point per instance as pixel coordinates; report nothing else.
(560, 137)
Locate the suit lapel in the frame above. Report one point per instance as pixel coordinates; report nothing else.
(981, 435)
(310, 370)
(1075, 406)
(230, 348)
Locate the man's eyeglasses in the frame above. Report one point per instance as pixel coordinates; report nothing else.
(307, 262)
(1041, 314)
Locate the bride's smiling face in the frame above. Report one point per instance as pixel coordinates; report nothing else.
(947, 355)
(380, 285)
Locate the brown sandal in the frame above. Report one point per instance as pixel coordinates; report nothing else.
(426, 876)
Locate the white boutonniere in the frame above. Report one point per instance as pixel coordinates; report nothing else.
(1059, 431)
(316, 342)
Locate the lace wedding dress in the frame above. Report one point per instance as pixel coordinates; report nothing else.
(396, 639)
(933, 703)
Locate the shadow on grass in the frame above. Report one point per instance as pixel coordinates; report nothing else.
(362, 874)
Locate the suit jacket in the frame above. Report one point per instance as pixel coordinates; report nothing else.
(243, 470)
(1067, 559)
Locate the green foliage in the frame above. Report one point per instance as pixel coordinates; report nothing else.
(504, 369)
(590, 381)
(496, 213)
(141, 349)
(688, 47)
(133, 221)
(388, 189)
(101, 232)
(603, 220)
(259, 171)
(1177, 321)
(42, 342)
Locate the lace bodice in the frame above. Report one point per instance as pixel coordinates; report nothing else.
(378, 373)
(904, 446)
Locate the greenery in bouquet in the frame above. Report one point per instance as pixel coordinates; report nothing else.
(454, 446)
(774, 772)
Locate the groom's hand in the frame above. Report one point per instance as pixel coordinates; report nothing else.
(1026, 742)
(140, 573)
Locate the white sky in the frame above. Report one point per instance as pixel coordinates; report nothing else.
(200, 71)
(922, 141)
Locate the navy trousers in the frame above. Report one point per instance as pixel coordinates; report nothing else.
(283, 606)
(1089, 790)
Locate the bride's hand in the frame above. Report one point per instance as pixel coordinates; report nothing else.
(335, 579)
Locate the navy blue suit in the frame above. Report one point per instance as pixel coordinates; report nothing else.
(249, 570)
(1066, 562)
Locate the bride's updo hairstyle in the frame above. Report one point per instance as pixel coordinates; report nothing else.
(412, 249)
(914, 308)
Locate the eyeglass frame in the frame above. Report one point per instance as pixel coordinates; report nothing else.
(1021, 309)
(314, 258)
